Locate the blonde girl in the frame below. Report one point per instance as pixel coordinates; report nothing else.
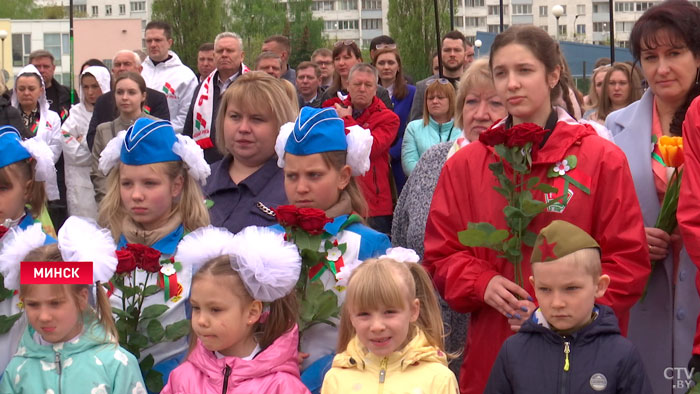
(391, 332)
(152, 199)
(67, 345)
(243, 313)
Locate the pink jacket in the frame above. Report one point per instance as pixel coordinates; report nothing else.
(274, 370)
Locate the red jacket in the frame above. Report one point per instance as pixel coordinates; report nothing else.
(383, 124)
(465, 193)
(689, 201)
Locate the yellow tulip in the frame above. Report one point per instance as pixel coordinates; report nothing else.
(671, 149)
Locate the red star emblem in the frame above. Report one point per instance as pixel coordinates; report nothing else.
(547, 249)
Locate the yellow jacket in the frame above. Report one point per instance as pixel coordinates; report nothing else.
(418, 368)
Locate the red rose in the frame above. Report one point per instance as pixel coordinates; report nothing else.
(525, 132)
(150, 260)
(3, 230)
(312, 220)
(494, 136)
(126, 261)
(287, 215)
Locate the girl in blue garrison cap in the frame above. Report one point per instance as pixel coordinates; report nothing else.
(320, 159)
(153, 199)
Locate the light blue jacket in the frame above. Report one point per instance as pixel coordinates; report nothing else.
(418, 138)
(662, 326)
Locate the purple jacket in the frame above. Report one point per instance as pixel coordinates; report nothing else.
(274, 370)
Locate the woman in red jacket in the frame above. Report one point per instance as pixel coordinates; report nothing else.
(524, 63)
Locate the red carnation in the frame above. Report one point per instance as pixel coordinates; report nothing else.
(526, 132)
(126, 261)
(312, 220)
(494, 136)
(3, 230)
(150, 260)
(287, 215)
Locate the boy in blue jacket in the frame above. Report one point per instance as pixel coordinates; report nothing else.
(569, 344)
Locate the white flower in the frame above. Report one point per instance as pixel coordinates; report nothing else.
(21, 351)
(344, 274)
(562, 167)
(68, 362)
(101, 389)
(334, 254)
(47, 366)
(121, 357)
(138, 389)
(402, 255)
(98, 361)
(167, 269)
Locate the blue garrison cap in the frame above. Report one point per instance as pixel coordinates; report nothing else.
(149, 141)
(10, 146)
(317, 130)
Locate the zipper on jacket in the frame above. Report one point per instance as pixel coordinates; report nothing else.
(227, 373)
(59, 368)
(374, 175)
(565, 372)
(382, 373)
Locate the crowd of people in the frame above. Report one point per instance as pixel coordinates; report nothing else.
(488, 229)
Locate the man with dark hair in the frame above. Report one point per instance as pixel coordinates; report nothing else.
(163, 71)
(323, 57)
(309, 85)
(380, 42)
(270, 63)
(205, 60)
(454, 53)
(57, 94)
(280, 45)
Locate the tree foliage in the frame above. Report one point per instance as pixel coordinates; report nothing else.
(194, 22)
(412, 25)
(305, 31)
(18, 9)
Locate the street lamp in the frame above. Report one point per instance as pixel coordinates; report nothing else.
(557, 11)
(478, 44)
(575, 27)
(3, 36)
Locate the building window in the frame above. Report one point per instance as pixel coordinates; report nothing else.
(122, 9)
(475, 21)
(348, 4)
(341, 25)
(643, 6)
(372, 4)
(581, 9)
(474, 3)
(95, 10)
(371, 24)
(545, 28)
(564, 7)
(562, 30)
(624, 7)
(459, 21)
(580, 29)
(137, 6)
(522, 9)
(324, 5)
(497, 28)
(108, 10)
(495, 10)
(543, 10)
(599, 27)
(80, 9)
(21, 48)
(624, 26)
(58, 44)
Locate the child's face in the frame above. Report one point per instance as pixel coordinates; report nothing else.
(55, 315)
(566, 292)
(13, 197)
(310, 183)
(147, 194)
(384, 330)
(220, 318)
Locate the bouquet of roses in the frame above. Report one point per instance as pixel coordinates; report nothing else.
(516, 146)
(305, 228)
(133, 319)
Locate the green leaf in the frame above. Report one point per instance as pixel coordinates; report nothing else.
(137, 339)
(571, 161)
(472, 237)
(343, 247)
(545, 188)
(497, 237)
(175, 331)
(496, 168)
(512, 212)
(147, 363)
(178, 266)
(529, 238)
(6, 322)
(533, 207)
(155, 331)
(154, 381)
(150, 290)
(128, 291)
(153, 311)
(120, 313)
(4, 292)
(531, 182)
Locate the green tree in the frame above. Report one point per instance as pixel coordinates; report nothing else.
(412, 25)
(194, 22)
(18, 9)
(305, 31)
(256, 19)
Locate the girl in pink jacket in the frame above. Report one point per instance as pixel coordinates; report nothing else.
(243, 314)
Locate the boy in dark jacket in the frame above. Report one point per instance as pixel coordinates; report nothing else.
(569, 344)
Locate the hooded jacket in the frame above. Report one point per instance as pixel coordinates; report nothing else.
(599, 360)
(80, 194)
(274, 370)
(86, 365)
(418, 138)
(465, 194)
(383, 124)
(178, 83)
(10, 115)
(417, 368)
(48, 128)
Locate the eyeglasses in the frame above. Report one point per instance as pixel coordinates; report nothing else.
(442, 81)
(346, 43)
(386, 46)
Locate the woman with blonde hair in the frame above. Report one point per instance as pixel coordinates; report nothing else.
(247, 183)
(621, 87)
